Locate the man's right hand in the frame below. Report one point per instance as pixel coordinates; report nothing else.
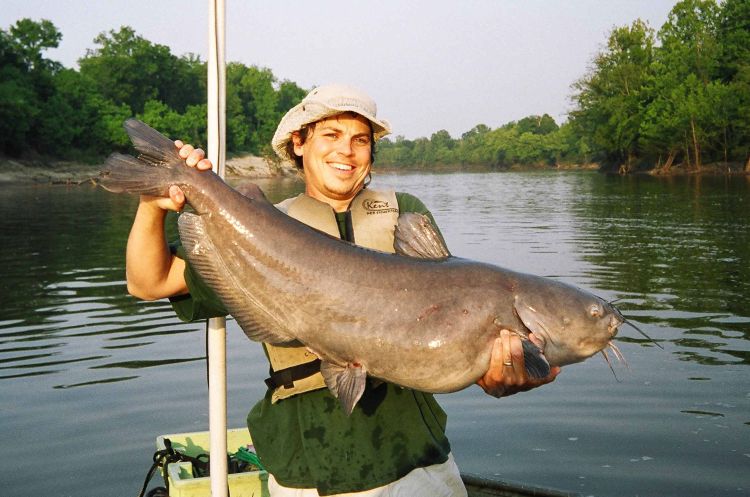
(194, 157)
(152, 271)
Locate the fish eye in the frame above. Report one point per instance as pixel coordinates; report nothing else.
(596, 310)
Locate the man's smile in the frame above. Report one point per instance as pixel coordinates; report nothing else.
(341, 167)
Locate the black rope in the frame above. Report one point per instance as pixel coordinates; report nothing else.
(163, 458)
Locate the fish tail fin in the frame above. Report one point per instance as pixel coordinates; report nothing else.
(153, 147)
(152, 172)
(126, 174)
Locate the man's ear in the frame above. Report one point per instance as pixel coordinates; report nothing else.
(298, 144)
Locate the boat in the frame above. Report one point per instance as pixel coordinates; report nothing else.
(478, 486)
(183, 461)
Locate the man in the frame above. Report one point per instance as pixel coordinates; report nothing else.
(393, 443)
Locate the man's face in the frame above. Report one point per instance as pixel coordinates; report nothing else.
(336, 157)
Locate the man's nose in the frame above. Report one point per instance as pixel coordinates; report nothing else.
(344, 147)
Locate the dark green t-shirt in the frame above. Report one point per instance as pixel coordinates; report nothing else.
(307, 441)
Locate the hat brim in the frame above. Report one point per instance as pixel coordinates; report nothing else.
(310, 112)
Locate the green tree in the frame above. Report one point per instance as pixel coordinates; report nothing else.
(190, 126)
(25, 81)
(611, 99)
(687, 61)
(538, 125)
(734, 70)
(289, 95)
(131, 70)
(252, 113)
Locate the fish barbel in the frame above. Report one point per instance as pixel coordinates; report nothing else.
(421, 318)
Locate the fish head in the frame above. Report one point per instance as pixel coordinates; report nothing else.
(569, 325)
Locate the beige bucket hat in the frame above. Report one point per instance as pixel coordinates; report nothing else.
(326, 101)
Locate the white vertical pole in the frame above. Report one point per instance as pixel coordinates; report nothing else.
(217, 371)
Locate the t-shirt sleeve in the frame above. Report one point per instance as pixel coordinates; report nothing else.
(201, 302)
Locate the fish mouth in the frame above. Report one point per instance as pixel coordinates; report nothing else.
(615, 321)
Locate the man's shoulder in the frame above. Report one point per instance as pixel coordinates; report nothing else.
(410, 203)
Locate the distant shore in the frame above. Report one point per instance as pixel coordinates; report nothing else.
(75, 173)
(254, 167)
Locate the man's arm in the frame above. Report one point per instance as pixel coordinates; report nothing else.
(152, 271)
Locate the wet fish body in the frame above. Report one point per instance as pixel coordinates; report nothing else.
(421, 322)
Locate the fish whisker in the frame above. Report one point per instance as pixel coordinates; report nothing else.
(629, 322)
(618, 354)
(609, 363)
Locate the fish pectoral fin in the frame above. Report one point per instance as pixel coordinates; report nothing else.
(345, 383)
(535, 363)
(528, 316)
(416, 236)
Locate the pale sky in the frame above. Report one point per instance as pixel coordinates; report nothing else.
(429, 65)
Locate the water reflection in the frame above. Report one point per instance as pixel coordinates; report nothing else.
(680, 248)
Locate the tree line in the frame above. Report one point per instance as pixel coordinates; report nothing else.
(47, 110)
(650, 99)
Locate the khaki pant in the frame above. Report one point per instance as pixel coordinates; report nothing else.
(439, 480)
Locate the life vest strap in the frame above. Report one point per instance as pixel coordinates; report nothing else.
(287, 376)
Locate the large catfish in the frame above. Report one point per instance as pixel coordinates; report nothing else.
(425, 320)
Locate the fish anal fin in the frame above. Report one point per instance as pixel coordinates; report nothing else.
(416, 236)
(347, 383)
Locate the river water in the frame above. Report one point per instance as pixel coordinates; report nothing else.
(89, 376)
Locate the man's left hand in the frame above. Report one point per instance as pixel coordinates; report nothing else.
(507, 372)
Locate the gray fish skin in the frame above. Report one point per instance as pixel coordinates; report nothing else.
(422, 323)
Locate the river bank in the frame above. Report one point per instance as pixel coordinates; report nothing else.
(47, 171)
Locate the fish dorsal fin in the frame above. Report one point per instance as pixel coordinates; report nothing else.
(251, 191)
(257, 324)
(345, 383)
(152, 146)
(416, 236)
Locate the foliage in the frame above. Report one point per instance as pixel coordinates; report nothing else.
(651, 98)
(49, 110)
(683, 99)
(534, 141)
